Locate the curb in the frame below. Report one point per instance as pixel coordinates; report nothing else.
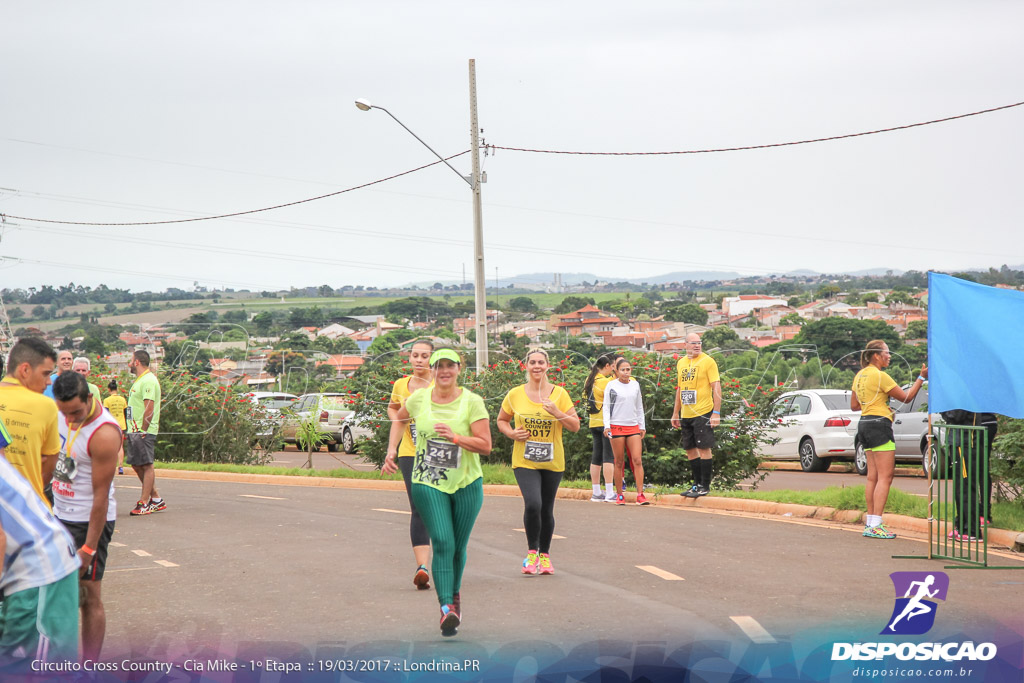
(1000, 538)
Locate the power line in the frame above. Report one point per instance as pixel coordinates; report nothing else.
(766, 146)
(237, 213)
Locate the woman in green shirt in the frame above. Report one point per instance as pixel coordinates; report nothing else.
(452, 432)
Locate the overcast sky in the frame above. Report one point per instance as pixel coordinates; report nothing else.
(129, 111)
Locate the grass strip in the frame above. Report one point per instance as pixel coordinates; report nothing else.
(1005, 515)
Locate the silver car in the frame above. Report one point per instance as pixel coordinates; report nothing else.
(815, 426)
(333, 413)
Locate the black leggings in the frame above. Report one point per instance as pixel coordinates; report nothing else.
(602, 454)
(539, 488)
(417, 530)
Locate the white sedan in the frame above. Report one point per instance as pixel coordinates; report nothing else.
(813, 426)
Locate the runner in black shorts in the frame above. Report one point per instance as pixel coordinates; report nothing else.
(697, 411)
(602, 459)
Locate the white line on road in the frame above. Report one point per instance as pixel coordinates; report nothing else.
(165, 563)
(523, 531)
(660, 573)
(128, 569)
(115, 544)
(249, 495)
(142, 553)
(397, 512)
(753, 630)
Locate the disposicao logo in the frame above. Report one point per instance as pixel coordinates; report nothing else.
(914, 612)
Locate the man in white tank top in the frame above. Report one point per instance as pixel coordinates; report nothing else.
(83, 493)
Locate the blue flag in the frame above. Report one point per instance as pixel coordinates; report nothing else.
(975, 347)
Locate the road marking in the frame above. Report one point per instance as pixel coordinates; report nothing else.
(553, 536)
(753, 630)
(397, 512)
(115, 544)
(142, 553)
(249, 495)
(660, 573)
(128, 569)
(165, 563)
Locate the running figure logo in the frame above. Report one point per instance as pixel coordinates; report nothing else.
(914, 612)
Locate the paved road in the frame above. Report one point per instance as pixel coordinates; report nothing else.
(237, 569)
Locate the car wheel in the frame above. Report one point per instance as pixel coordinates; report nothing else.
(332, 448)
(936, 460)
(809, 460)
(348, 442)
(860, 460)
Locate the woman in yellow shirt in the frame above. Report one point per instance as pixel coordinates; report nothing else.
(601, 458)
(421, 378)
(540, 409)
(871, 391)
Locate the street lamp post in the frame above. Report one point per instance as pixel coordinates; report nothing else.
(474, 182)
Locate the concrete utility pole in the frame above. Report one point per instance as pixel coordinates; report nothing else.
(479, 283)
(474, 180)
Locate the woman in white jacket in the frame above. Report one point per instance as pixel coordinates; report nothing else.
(624, 425)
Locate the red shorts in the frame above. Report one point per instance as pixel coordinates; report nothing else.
(624, 430)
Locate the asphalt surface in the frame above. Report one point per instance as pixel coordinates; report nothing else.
(300, 572)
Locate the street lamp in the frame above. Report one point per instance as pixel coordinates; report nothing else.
(473, 180)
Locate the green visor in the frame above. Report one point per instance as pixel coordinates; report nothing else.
(445, 354)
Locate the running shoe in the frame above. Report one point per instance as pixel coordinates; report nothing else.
(621, 500)
(610, 497)
(597, 497)
(457, 602)
(545, 564)
(877, 532)
(530, 563)
(692, 493)
(120, 470)
(140, 509)
(641, 499)
(157, 505)
(450, 620)
(957, 536)
(701, 491)
(421, 579)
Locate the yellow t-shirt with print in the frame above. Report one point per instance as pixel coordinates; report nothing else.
(600, 383)
(543, 450)
(694, 378)
(399, 394)
(115, 404)
(31, 419)
(872, 387)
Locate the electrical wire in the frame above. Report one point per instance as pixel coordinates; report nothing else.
(239, 213)
(766, 146)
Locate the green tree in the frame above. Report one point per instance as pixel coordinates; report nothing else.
(725, 338)
(239, 316)
(685, 313)
(839, 341)
(573, 303)
(792, 319)
(917, 329)
(826, 292)
(264, 320)
(523, 304)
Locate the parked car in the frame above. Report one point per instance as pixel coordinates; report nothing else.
(815, 426)
(334, 414)
(267, 409)
(910, 432)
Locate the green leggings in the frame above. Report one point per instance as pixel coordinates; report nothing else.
(449, 518)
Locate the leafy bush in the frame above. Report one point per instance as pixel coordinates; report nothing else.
(204, 422)
(742, 433)
(1007, 463)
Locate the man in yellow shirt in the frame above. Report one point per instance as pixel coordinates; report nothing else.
(31, 418)
(697, 411)
(115, 404)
